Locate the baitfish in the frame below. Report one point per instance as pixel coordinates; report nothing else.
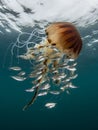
(22, 73)
(18, 78)
(16, 68)
(45, 87)
(50, 105)
(42, 93)
(55, 92)
(70, 85)
(30, 90)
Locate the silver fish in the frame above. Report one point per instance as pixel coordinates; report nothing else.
(71, 68)
(32, 75)
(44, 80)
(18, 78)
(22, 73)
(40, 58)
(55, 72)
(74, 64)
(73, 76)
(64, 66)
(64, 87)
(55, 58)
(26, 57)
(62, 76)
(16, 68)
(50, 105)
(71, 86)
(59, 77)
(39, 78)
(30, 90)
(45, 87)
(42, 93)
(55, 92)
(68, 79)
(38, 73)
(35, 74)
(40, 67)
(56, 79)
(71, 60)
(67, 91)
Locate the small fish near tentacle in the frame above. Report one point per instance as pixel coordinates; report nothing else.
(51, 64)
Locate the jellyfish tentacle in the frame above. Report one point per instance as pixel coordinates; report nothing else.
(34, 96)
(33, 99)
(39, 81)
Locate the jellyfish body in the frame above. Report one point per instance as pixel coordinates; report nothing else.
(65, 37)
(51, 58)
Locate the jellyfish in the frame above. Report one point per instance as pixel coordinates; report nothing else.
(52, 60)
(65, 37)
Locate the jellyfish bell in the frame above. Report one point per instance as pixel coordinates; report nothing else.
(65, 37)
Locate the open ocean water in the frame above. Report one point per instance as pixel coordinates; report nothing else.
(75, 111)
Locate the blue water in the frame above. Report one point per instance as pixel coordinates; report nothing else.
(76, 111)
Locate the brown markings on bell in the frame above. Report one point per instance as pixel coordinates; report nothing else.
(79, 48)
(49, 40)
